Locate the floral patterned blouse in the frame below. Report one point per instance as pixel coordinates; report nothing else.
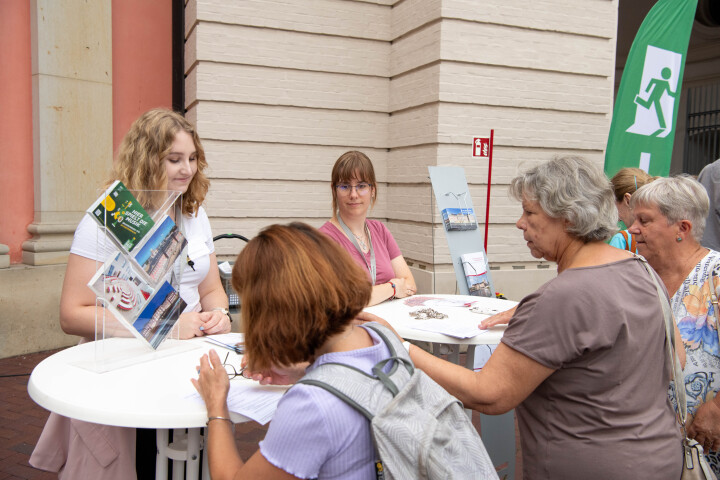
(696, 317)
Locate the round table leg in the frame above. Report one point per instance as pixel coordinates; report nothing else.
(193, 454)
(161, 461)
(184, 451)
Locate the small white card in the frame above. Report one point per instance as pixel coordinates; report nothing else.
(225, 268)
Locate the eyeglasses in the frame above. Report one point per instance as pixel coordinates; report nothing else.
(230, 369)
(345, 188)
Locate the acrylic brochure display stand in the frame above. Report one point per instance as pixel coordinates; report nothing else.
(137, 286)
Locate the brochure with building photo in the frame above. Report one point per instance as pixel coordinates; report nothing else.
(122, 215)
(122, 287)
(160, 314)
(459, 219)
(158, 253)
(147, 312)
(475, 268)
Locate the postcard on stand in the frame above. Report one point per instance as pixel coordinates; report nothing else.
(475, 268)
(156, 255)
(459, 219)
(153, 244)
(122, 215)
(148, 312)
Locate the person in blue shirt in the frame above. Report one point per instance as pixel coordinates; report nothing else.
(626, 182)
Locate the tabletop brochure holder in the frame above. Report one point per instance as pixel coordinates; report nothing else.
(138, 284)
(470, 263)
(464, 239)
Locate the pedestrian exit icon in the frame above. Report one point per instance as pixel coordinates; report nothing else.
(655, 100)
(481, 147)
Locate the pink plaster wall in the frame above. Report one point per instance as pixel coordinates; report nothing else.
(16, 143)
(142, 79)
(142, 60)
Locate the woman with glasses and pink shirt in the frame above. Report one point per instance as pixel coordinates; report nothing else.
(369, 242)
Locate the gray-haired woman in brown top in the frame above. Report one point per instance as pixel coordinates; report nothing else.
(582, 360)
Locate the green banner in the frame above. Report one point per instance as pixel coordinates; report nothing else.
(643, 124)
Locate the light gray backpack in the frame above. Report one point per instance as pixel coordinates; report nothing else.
(420, 430)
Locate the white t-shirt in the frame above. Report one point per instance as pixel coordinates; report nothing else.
(90, 242)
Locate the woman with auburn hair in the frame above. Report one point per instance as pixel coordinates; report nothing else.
(626, 182)
(369, 242)
(313, 434)
(160, 152)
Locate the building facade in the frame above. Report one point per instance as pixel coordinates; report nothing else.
(278, 90)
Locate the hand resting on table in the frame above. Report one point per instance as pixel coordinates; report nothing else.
(501, 318)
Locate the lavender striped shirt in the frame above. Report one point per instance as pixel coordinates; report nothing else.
(316, 435)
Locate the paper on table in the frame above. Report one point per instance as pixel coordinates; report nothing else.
(436, 302)
(455, 328)
(255, 401)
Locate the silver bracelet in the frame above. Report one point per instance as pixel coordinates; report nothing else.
(218, 418)
(222, 310)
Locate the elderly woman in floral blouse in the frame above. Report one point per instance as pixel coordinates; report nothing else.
(669, 221)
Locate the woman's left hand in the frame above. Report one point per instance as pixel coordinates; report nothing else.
(705, 426)
(212, 383)
(215, 322)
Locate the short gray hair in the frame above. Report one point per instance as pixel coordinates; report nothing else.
(678, 198)
(574, 189)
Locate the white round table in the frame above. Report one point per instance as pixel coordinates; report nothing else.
(96, 382)
(457, 308)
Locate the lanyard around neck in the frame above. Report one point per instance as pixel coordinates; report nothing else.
(370, 266)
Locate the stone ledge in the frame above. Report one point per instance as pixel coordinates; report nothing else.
(30, 300)
(4, 256)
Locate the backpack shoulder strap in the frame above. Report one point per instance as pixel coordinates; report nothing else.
(366, 393)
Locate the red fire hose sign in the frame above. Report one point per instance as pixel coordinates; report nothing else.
(481, 147)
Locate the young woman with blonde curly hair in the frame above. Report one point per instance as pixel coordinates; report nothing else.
(161, 152)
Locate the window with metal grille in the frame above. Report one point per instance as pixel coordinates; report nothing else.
(702, 135)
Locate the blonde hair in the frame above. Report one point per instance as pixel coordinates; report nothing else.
(629, 180)
(139, 163)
